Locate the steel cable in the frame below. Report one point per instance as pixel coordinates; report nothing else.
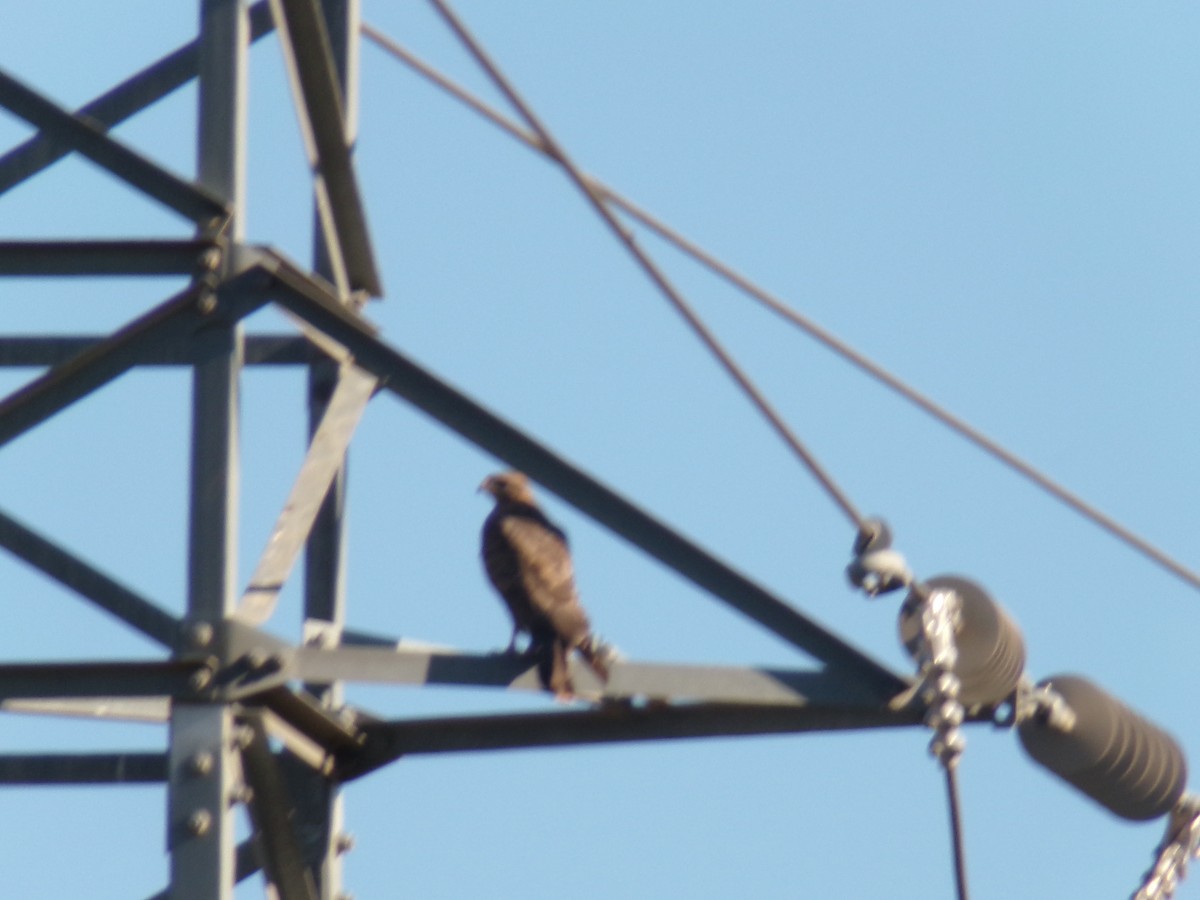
(668, 290)
(795, 318)
(956, 831)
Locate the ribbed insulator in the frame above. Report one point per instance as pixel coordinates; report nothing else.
(991, 652)
(1111, 753)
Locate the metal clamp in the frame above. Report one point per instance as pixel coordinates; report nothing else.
(1044, 703)
(877, 568)
(939, 687)
(1179, 845)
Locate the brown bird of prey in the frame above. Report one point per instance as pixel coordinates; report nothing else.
(528, 562)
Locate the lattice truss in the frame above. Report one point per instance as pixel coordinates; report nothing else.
(229, 691)
(257, 718)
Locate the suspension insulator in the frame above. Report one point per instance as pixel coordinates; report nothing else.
(1111, 753)
(991, 652)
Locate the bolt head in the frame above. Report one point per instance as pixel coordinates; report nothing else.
(200, 634)
(210, 258)
(201, 763)
(199, 822)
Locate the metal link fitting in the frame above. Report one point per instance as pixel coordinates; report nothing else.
(1045, 703)
(1179, 845)
(877, 568)
(939, 687)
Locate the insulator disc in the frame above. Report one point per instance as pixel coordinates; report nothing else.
(991, 652)
(1111, 753)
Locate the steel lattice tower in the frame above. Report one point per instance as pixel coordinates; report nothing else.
(226, 688)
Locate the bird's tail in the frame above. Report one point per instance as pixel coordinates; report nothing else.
(553, 669)
(599, 655)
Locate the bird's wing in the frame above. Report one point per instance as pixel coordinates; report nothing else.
(546, 575)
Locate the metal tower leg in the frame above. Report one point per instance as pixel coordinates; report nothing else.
(324, 574)
(204, 768)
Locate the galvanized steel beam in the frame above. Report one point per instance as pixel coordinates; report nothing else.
(664, 681)
(203, 772)
(204, 765)
(183, 197)
(388, 741)
(174, 678)
(59, 769)
(312, 71)
(176, 319)
(88, 581)
(321, 465)
(119, 709)
(260, 350)
(115, 106)
(68, 258)
(271, 810)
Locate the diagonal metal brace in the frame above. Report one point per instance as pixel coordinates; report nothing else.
(271, 810)
(317, 97)
(115, 106)
(88, 581)
(173, 320)
(325, 455)
(185, 198)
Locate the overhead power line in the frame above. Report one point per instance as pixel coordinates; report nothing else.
(857, 359)
(553, 149)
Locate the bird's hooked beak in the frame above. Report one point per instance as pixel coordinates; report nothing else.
(485, 487)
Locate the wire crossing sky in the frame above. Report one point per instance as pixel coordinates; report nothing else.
(997, 206)
(538, 142)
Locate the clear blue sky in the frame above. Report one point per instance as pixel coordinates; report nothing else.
(1000, 203)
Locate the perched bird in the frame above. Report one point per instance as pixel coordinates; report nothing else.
(527, 560)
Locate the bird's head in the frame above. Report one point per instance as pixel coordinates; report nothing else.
(508, 487)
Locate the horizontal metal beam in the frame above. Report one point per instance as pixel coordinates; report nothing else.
(115, 709)
(488, 431)
(82, 768)
(173, 320)
(172, 678)
(115, 106)
(388, 741)
(182, 196)
(715, 684)
(261, 350)
(61, 258)
(88, 581)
